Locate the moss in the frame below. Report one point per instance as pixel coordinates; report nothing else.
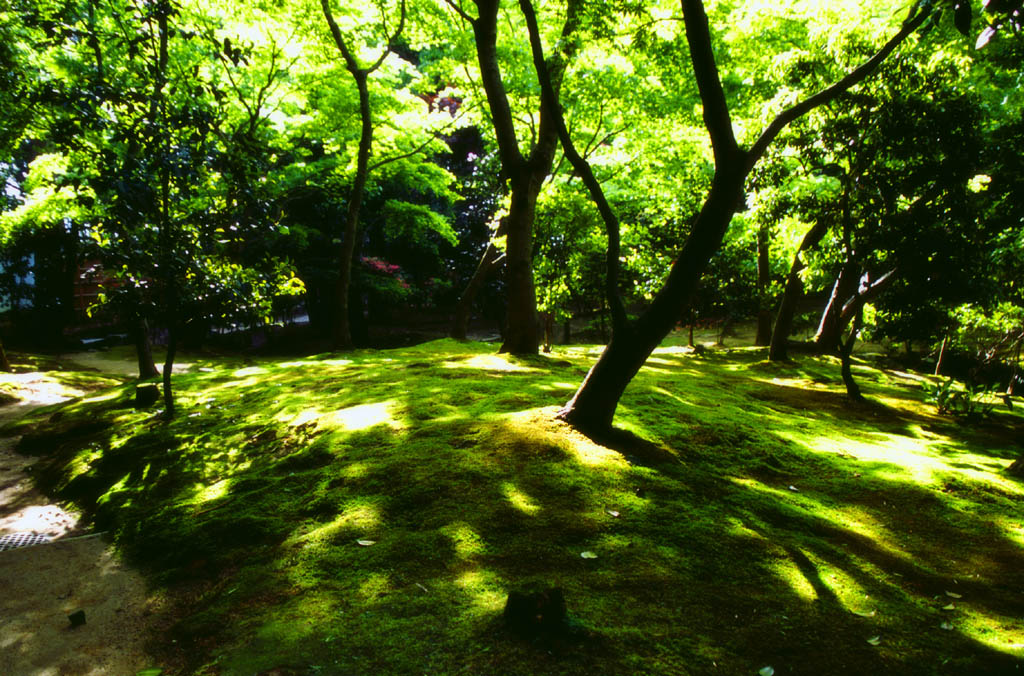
(368, 513)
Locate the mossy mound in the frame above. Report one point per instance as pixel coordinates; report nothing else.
(370, 513)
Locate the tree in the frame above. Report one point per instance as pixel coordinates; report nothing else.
(592, 408)
(525, 172)
(342, 333)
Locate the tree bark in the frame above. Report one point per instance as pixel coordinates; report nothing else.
(526, 175)
(143, 349)
(830, 329)
(172, 350)
(845, 350)
(857, 290)
(764, 280)
(488, 265)
(5, 364)
(522, 327)
(779, 349)
(593, 406)
(942, 355)
(791, 296)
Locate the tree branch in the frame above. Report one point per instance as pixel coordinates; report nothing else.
(709, 84)
(611, 221)
(826, 95)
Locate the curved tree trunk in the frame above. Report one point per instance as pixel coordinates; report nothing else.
(835, 320)
(764, 280)
(845, 350)
(830, 330)
(488, 265)
(592, 408)
(791, 296)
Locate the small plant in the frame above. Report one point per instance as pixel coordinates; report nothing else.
(971, 402)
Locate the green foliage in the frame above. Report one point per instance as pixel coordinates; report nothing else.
(969, 403)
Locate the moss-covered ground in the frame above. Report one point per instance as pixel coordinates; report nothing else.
(368, 513)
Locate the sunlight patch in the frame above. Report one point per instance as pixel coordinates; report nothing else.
(358, 517)
(306, 417)
(519, 499)
(362, 417)
(998, 632)
(488, 362)
(213, 492)
(249, 371)
(374, 586)
(464, 539)
(787, 571)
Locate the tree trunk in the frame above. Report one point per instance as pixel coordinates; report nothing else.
(791, 296)
(779, 350)
(764, 280)
(858, 291)
(522, 329)
(1011, 387)
(5, 364)
(143, 349)
(593, 406)
(172, 349)
(942, 355)
(830, 328)
(845, 350)
(342, 333)
(526, 174)
(489, 264)
(342, 330)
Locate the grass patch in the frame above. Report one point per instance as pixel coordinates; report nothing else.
(368, 513)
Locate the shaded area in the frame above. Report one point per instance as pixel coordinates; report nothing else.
(369, 514)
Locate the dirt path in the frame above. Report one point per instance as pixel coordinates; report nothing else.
(43, 584)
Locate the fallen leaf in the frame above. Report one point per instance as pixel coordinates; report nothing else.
(766, 671)
(588, 555)
(612, 512)
(947, 626)
(366, 543)
(875, 640)
(868, 614)
(949, 607)
(953, 595)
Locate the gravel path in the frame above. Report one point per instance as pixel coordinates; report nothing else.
(45, 583)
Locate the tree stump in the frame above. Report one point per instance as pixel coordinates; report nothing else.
(146, 395)
(536, 613)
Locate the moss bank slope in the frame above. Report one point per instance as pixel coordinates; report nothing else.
(368, 513)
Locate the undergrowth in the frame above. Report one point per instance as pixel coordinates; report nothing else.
(368, 513)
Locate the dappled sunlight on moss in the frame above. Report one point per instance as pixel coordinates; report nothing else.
(519, 499)
(450, 460)
(489, 362)
(787, 571)
(466, 542)
(998, 632)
